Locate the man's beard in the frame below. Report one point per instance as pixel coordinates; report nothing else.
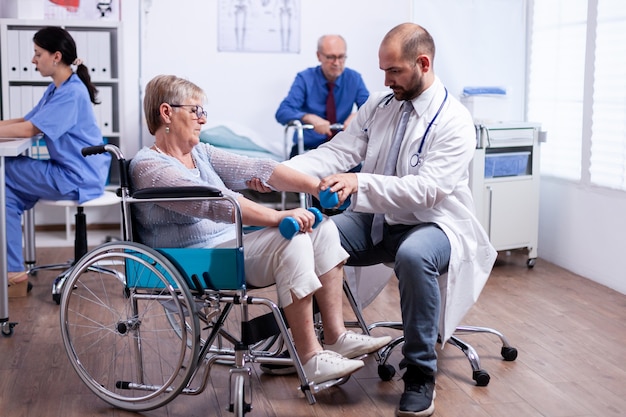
(417, 87)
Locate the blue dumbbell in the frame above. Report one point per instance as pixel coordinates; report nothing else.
(330, 199)
(289, 227)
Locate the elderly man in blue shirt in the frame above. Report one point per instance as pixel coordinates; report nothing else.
(308, 97)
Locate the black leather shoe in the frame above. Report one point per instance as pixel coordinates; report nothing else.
(418, 399)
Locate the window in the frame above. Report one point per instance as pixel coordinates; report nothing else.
(577, 89)
(556, 82)
(608, 138)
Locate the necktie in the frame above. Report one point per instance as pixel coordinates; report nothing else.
(390, 167)
(331, 110)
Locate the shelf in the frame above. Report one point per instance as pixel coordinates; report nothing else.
(98, 44)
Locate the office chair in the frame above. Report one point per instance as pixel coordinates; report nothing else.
(108, 198)
(359, 297)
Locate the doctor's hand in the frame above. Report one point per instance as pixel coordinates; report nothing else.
(342, 184)
(258, 186)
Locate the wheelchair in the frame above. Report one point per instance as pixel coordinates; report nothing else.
(141, 325)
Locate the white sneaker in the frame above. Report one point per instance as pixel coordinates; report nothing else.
(352, 345)
(326, 365)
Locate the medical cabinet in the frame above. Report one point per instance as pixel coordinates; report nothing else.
(504, 178)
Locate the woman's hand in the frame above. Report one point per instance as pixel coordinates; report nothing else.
(304, 217)
(258, 186)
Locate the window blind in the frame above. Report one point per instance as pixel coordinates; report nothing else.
(586, 141)
(608, 139)
(556, 82)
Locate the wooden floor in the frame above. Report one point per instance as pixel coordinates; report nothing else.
(570, 333)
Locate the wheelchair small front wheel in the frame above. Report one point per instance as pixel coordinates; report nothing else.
(116, 333)
(239, 403)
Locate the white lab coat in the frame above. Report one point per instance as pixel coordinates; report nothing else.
(435, 190)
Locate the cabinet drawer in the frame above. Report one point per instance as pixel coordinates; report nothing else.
(497, 138)
(507, 164)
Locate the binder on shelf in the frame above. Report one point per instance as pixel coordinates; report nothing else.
(82, 48)
(27, 68)
(106, 64)
(13, 54)
(15, 102)
(38, 92)
(26, 100)
(91, 56)
(99, 55)
(104, 111)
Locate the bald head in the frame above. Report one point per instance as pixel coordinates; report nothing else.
(329, 41)
(331, 53)
(412, 39)
(406, 56)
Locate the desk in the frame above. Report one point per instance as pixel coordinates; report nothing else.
(8, 147)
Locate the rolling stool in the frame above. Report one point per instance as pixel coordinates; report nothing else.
(80, 236)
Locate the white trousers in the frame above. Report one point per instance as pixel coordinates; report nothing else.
(294, 265)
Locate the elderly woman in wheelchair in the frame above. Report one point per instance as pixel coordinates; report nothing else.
(306, 264)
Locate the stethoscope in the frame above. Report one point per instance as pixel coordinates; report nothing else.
(416, 158)
(381, 104)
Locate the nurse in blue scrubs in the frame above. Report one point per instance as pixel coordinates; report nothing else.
(66, 119)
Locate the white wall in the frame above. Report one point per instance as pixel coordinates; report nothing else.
(247, 87)
(584, 230)
(479, 43)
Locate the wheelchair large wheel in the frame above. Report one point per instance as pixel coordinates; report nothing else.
(129, 326)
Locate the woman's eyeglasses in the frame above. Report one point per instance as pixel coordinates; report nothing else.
(198, 110)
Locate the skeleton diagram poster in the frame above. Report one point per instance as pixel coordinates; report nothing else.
(259, 26)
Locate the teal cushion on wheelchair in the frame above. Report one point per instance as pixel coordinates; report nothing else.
(209, 268)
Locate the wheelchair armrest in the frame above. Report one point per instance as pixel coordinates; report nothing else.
(180, 192)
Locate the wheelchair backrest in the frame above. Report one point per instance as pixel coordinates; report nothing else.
(202, 268)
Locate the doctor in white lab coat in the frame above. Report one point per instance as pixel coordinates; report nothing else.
(427, 204)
